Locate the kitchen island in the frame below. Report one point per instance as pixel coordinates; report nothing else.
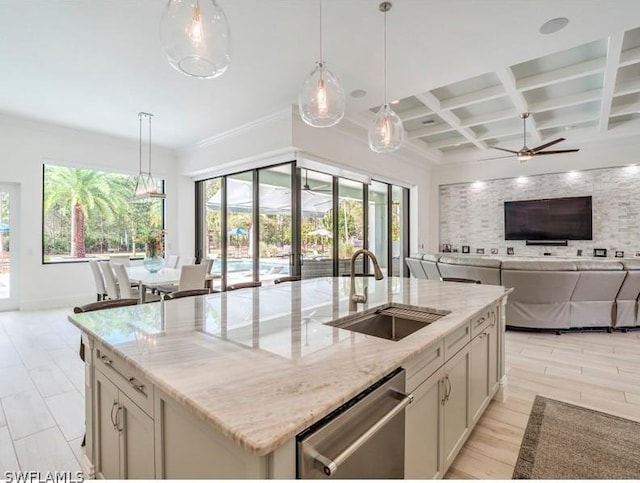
(219, 386)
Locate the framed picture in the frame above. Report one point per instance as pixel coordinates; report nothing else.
(480, 251)
(510, 251)
(446, 248)
(465, 248)
(494, 251)
(599, 252)
(619, 254)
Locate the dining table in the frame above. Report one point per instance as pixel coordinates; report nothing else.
(164, 276)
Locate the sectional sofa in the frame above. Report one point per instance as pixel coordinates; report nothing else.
(549, 293)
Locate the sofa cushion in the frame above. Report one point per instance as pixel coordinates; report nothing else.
(472, 261)
(631, 264)
(429, 257)
(417, 256)
(598, 265)
(539, 265)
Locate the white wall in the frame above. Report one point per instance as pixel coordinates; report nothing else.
(24, 146)
(620, 152)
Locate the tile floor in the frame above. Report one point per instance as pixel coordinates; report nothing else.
(42, 390)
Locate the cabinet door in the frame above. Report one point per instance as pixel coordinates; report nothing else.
(422, 433)
(494, 356)
(136, 441)
(455, 421)
(107, 436)
(479, 374)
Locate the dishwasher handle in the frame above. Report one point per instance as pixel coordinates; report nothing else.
(330, 466)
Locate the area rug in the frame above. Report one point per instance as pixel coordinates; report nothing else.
(563, 441)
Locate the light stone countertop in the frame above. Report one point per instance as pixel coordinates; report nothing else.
(243, 362)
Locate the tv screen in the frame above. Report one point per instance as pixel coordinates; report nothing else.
(551, 219)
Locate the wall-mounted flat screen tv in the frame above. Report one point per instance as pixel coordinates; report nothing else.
(550, 219)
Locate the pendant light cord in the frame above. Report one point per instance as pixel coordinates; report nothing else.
(385, 57)
(321, 58)
(149, 146)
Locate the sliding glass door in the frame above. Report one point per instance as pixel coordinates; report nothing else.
(279, 221)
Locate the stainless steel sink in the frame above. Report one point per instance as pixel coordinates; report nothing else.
(391, 323)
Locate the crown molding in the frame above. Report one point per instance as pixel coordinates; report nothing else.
(282, 115)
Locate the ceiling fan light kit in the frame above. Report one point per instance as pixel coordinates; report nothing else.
(321, 100)
(386, 131)
(526, 153)
(195, 37)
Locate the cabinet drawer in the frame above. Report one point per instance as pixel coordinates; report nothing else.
(421, 366)
(127, 379)
(480, 323)
(456, 341)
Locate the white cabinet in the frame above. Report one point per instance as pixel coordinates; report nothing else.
(455, 400)
(451, 397)
(124, 434)
(423, 459)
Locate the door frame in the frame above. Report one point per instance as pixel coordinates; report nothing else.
(13, 301)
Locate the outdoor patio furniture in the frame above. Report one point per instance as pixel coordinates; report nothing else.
(110, 280)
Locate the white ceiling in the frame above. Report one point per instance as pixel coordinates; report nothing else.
(470, 65)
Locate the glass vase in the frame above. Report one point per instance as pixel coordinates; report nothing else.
(153, 264)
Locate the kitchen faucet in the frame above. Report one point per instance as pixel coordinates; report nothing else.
(354, 298)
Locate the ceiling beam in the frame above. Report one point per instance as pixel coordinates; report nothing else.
(481, 95)
(568, 120)
(510, 85)
(566, 101)
(630, 87)
(429, 131)
(575, 71)
(614, 50)
(624, 109)
(630, 56)
(433, 103)
(414, 113)
(490, 117)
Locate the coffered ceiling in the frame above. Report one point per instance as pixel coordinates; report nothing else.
(462, 70)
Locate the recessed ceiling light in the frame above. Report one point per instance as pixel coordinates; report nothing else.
(554, 25)
(358, 93)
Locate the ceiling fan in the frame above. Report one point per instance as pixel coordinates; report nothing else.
(526, 153)
(321, 188)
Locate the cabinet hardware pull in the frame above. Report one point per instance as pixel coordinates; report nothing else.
(444, 385)
(484, 334)
(113, 421)
(480, 321)
(136, 385)
(330, 466)
(118, 419)
(106, 361)
(448, 388)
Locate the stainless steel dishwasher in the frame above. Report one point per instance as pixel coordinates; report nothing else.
(363, 438)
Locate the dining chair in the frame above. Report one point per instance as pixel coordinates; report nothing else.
(187, 261)
(124, 284)
(238, 286)
(101, 290)
(208, 262)
(121, 259)
(192, 277)
(188, 293)
(110, 280)
(172, 261)
(290, 278)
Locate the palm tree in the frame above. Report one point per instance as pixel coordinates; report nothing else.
(84, 191)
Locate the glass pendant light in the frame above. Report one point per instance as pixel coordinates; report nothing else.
(146, 186)
(386, 132)
(195, 37)
(321, 99)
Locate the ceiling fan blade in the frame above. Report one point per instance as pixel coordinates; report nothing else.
(550, 143)
(498, 157)
(559, 151)
(502, 149)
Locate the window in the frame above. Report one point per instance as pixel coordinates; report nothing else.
(88, 214)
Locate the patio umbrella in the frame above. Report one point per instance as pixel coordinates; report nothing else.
(237, 231)
(321, 232)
